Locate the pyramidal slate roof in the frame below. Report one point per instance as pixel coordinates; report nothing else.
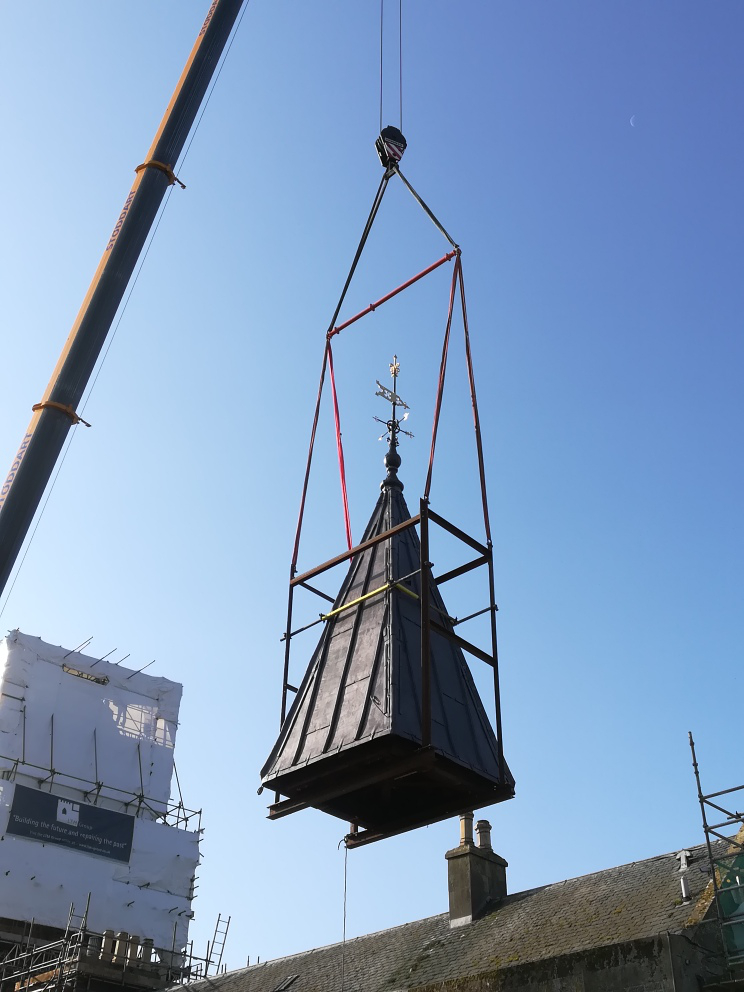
(633, 902)
(363, 684)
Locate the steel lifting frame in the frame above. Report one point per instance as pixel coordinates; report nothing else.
(423, 518)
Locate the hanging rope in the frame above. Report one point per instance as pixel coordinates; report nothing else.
(424, 207)
(362, 242)
(339, 447)
(343, 941)
(476, 418)
(296, 549)
(442, 372)
(458, 278)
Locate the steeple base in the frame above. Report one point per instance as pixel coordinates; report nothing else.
(387, 785)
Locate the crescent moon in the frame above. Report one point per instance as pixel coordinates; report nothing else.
(632, 120)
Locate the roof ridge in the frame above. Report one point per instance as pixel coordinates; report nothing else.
(626, 864)
(339, 943)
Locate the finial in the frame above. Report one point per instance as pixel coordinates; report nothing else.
(392, 458)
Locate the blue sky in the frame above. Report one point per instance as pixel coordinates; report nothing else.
(602, 262)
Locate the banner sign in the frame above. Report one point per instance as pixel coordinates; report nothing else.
(53, 820)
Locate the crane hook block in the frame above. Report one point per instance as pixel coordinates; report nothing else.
(390, 146)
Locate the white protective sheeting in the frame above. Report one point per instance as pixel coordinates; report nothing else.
(146, 897)
(116, 726)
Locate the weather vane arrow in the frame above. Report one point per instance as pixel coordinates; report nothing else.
(392, 397)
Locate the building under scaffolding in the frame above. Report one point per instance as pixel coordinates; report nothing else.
(83, 960)
(98, 864)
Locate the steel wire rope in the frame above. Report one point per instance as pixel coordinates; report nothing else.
(382, 5)
(91, 386)
(400, 59)
(215, 80)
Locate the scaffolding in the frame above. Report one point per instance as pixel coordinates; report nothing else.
(138, 804)
(726, 856)
(81, 960)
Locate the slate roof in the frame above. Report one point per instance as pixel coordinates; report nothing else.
(618, 905)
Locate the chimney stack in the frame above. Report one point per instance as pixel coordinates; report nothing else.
(476, 876)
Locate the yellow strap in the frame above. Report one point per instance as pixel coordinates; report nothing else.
(153, 164)
(415, 595)
(53, 405)
(348, 606)
(386, 588)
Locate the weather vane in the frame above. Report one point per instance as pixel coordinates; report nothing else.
(391, 395)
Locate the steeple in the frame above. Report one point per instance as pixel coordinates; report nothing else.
(354, 743)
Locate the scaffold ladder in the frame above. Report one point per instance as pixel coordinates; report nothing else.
(217, 945)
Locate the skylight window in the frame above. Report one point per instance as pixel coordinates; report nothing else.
(285, 984)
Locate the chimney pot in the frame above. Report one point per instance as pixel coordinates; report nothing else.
(132, 948)
(107, 947)
(483, 829)
(122, 944)
(466, 829)
(94, 945)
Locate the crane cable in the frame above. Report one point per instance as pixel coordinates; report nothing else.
(400, 60)
(382, 17)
